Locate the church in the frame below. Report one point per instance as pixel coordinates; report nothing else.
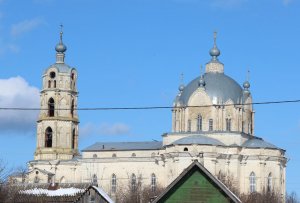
(212, 123)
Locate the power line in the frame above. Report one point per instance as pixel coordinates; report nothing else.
(151, 107)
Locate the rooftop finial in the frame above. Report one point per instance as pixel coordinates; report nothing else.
(215, 52)
(181, 86)
(215, 38)
(246, 84)
(61, 32)
(201, 81)
(60, 47)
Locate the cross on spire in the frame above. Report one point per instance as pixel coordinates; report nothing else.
(61, 31)
(215, 37)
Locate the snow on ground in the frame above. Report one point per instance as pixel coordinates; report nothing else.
(59, 192)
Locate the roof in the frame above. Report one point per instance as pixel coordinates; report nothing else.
(115, 146)
(258, 143)
(197, 166)
(61, 67)
(198, 139)
(99, 191)
(217, 85)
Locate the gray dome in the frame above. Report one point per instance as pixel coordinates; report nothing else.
(60, 47)
(258, 143)
(217, 85)
(181, 87)
(246, 85)
(61, 67)
(198, 139)
(215, 52)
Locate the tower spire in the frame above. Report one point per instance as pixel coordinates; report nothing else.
(215, 52)
(60, 47)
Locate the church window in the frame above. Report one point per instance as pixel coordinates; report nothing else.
(72, 108)
(228, 124)
(114, 155)
(49, 83)
(186, 149)
(94, 180)
(95, 156)
(152, 155)
(113, 183)
(189, 126)
(269, 182)
(51, 107)
(199, 123)
(36, 179)
(133, 155)
(73, 138)
(52, 74)
(54, 84)
(210, 125)
(133, 182)
(153, 182)
(48, 137)
(72, 76)
(252, 182)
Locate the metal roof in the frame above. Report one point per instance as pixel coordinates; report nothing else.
(115, 146)
(217, 85)
(258, 143)
(61, 67)
(198, 139)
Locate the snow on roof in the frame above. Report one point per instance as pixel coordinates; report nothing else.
(103, 194)
(59, 192)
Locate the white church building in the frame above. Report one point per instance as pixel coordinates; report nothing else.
(212, 122)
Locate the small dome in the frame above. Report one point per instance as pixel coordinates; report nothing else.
(60, 47)
(246, 85)
(198, 139)
(258, 143)
(181, 87)
(215, 52)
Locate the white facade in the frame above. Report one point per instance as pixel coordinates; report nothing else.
(211, 122)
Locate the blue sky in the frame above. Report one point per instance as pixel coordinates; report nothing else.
(131, 53)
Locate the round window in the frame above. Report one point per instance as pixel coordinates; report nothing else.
(52, 74)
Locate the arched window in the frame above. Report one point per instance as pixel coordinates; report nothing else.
(51, 107)
(49, 83)
(94, 180)
(133, 155)
(133, 182)
(269, 183)
(189, 127)
(210, 124)
(114, 155)
(199, 123)
(95, 156)
(73, 138)
(48, 137)
(113, 183)
(54, 84)
(153, 182)
(252, 179)
(153, 155)
(228, 124)
(72, 108)
(185, 149)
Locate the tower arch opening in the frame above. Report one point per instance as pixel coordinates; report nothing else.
(51, 107)
(48, 137)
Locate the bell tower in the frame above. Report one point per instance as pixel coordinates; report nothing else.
(57, 125)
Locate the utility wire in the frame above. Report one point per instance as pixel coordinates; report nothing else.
(151, 107)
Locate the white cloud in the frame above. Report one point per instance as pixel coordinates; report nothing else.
(227, 4)
(25, 26)
(105, 129)
(16, 92)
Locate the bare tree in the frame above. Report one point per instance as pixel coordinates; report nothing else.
(292, 198)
